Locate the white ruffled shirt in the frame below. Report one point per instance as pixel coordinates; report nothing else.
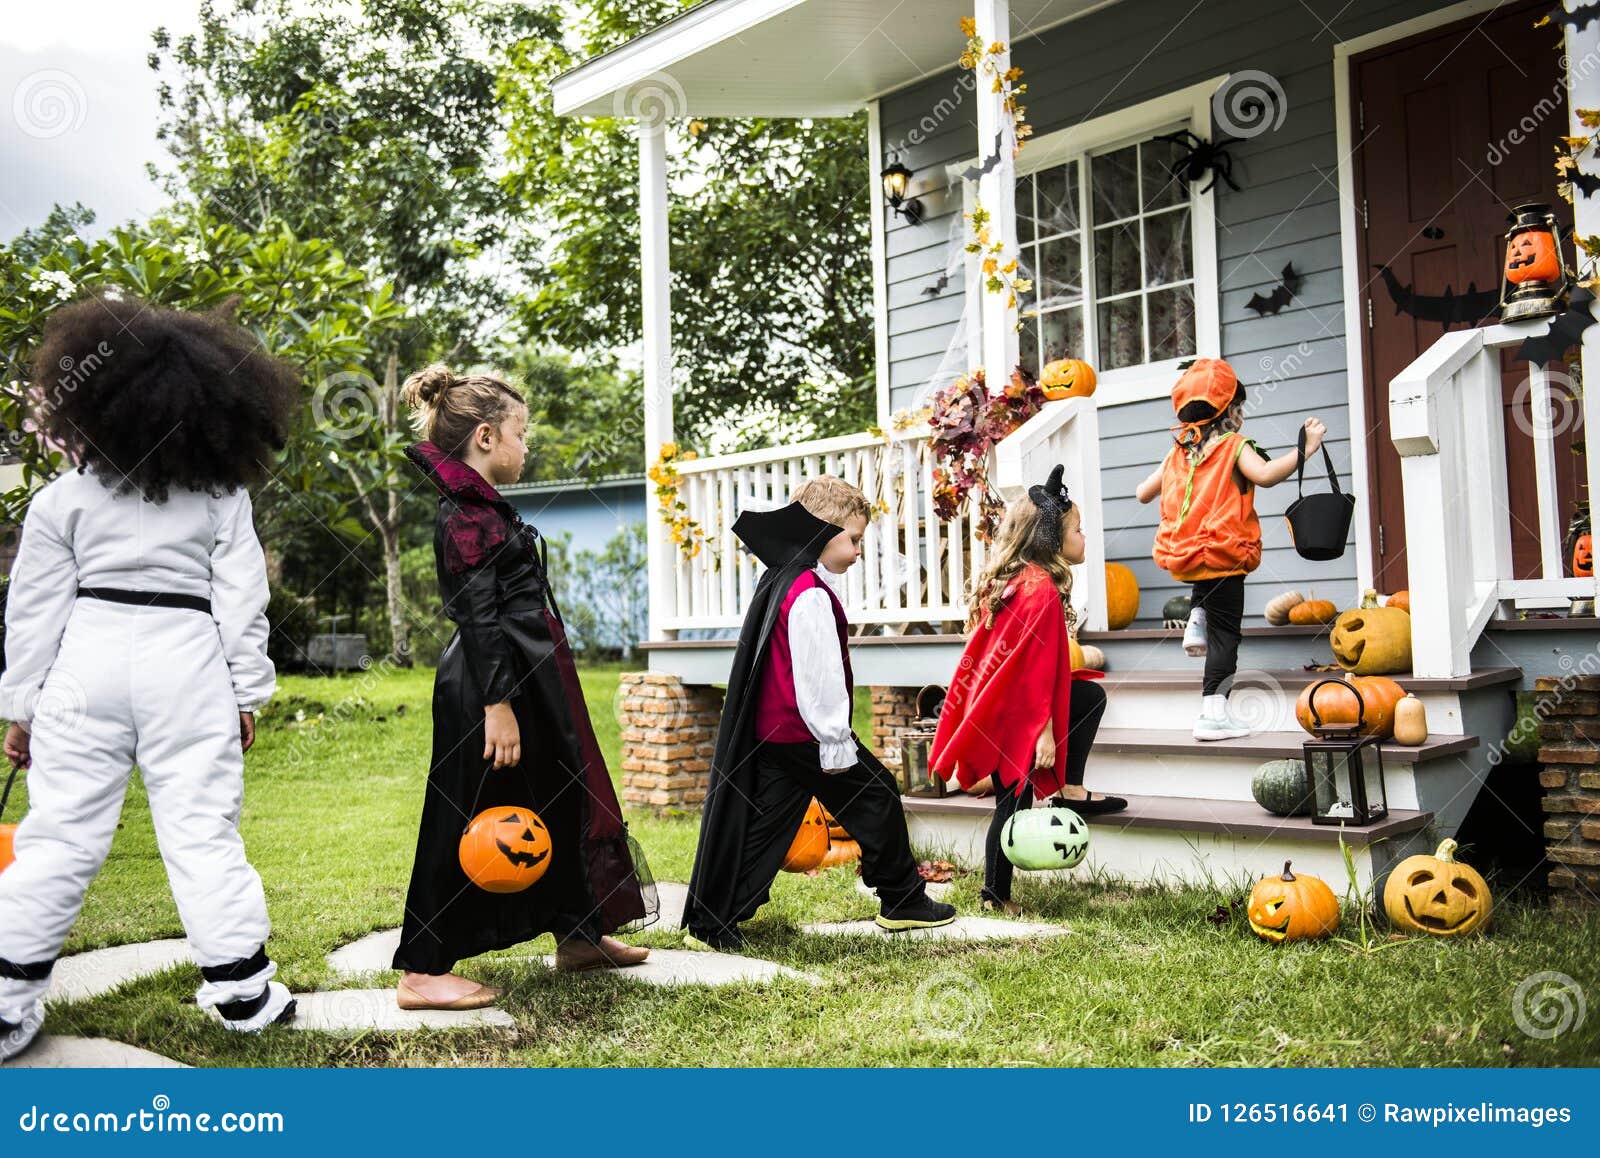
(81, 533)
(820, 690)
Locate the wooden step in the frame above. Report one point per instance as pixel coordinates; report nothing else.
(1192, 678)
(1259, 746)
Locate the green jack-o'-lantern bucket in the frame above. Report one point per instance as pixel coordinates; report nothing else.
(1054, 837)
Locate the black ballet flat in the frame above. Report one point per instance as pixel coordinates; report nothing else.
(1095, 804)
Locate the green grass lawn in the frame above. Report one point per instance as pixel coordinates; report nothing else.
(330, 819)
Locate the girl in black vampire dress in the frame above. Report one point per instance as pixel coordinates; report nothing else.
(509, 722)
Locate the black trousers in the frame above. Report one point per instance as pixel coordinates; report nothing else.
(1223, 600)
(1084, 713)
(864, 799)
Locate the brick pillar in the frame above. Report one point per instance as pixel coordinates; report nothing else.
(1569, 736)
(893, 710)
(668, 731)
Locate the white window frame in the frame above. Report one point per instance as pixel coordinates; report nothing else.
(1184, 108)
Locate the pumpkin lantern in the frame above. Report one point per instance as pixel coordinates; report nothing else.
(1535, 278)
(1583, 555)
(1067, 378)
(1292, 907)
(8, 832)
(1372, 640)
(1122, 596)
(1437, 894)
(1054, 837)
(1345, 766)
(505, 849)
(809, 848)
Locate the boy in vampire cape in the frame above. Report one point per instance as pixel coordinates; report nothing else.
(785, 735)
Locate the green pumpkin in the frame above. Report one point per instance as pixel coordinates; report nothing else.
(1283, 788)
(1053, 837)
(1176, 608)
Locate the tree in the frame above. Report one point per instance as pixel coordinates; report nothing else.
(772, 303)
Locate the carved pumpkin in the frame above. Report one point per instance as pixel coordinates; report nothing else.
(1437, 894)
(1335, 705)
(8, 833)
(505, 849)
(1292, 907)
(1400, 599)
(836, 830)
(809, 848)
(1531, 256)
(1067, 378)
(1410, 721)
(1372, 640)
(1279, 606)
(1052, 837)
(1313, 611)
(1583, 555)
(841, 852)
(1122, 596)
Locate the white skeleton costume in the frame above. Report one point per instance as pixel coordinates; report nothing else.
(136, 633)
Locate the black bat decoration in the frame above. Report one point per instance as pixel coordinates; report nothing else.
(937, 287)
(973, 172)
(1565, 330)
(1587, 183)
(1447, 308)
(1281, 295)
(1579, 18)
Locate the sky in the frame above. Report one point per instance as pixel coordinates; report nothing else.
(78, 107)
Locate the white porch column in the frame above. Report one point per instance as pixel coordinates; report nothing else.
(997, 192)
(656, 301)
(1583, 92)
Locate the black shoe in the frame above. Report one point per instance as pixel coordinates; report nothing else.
(1092, 804)
(922, 913)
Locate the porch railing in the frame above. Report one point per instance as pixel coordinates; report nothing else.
(914, 567)
(1447, 421)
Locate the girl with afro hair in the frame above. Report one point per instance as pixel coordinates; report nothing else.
(136, 633)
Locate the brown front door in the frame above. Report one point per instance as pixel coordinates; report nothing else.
(1437, 169)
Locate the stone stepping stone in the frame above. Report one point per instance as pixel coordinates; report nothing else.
(937, 890)
(688, 967)
(963, 929)
(672, 897)
(85, 975)
(373, 953)
(94, 1053)
(359, 1010)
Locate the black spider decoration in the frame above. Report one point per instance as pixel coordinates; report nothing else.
(1203, 157)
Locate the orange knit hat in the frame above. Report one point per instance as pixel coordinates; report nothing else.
(1209, 380)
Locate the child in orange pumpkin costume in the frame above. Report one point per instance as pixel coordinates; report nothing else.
(1209, 534)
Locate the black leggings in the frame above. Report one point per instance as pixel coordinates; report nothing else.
(1223, 600)
(1088, 705)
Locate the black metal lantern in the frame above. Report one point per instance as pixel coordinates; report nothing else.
(896, 180)
(1345, 767)
(1534, 280)
(916, 778)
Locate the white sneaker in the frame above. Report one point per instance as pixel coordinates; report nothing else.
(18, 1036)
(1214, 723)
(1194, 633)
(280, 1006)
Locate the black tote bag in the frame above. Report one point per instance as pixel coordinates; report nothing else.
(1319, 524)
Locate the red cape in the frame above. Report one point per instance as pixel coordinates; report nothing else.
(1013, 675)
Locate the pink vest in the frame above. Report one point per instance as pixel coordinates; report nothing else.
(777, 714)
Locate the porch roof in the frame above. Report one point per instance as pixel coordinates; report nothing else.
(786, 58)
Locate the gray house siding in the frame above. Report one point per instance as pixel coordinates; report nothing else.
(1292, 363)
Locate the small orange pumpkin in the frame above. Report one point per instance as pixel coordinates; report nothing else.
(1400, 599)
(841, 852)
(1122, 596)
(1292, 907)
(505, 849)
(1583, 555)
(1374, 711)
(1067, 378)
(1313, 611)
(1531, 256)
(809, 848)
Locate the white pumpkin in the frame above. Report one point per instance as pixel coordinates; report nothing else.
(1093, 657)
(1277, 609)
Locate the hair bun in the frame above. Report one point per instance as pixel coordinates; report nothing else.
(424, 388)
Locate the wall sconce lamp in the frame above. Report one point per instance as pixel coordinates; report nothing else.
(896, 178)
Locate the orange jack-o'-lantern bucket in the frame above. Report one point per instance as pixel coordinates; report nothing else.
(1534, 283)
(8, 832)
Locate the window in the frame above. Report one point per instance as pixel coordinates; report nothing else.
(1137, 241)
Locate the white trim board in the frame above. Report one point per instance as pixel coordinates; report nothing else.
(876, 205)
(1354, 325)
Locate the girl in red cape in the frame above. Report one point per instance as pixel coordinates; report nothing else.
(1016, 709)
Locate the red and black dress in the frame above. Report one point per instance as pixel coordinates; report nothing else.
(509, 646)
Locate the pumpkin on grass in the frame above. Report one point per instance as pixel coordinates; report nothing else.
(1374, 711)
(1372, 640)
(1292, 907)
(1437, 894)
(505, 849)
(1122, 596)
(809, 848)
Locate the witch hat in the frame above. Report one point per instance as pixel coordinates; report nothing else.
(784, 535)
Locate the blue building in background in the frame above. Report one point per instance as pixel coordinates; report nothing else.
(593, 512)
